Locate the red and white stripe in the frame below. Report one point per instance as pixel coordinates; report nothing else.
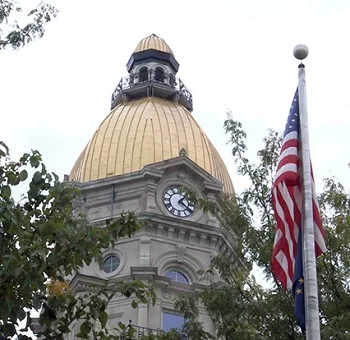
(287, 205)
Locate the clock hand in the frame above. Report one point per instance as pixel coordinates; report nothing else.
(180, 201)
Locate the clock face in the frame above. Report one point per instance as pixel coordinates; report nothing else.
(176, 202)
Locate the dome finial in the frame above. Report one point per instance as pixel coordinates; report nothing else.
(183, 152)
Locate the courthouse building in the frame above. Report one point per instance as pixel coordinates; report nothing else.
(146, 149)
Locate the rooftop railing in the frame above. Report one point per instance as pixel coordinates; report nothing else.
(141, 332)
(147, 78)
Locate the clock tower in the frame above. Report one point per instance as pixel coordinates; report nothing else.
(147, 149)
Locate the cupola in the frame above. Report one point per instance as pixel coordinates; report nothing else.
(152, 73)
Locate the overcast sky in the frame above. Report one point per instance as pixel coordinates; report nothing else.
(234, 55)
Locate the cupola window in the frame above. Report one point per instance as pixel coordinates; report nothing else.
(159, 75)
(143, 76)
(171, 79)
(177, 276)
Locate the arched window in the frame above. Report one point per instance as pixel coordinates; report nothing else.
(177, 276)
(159, 75)
(111, 263)
(143, 76)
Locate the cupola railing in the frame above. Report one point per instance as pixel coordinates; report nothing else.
(151, 83)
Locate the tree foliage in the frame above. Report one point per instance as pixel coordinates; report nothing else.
(38, 232)
(239, 306)
(19, 24)
(42, 241)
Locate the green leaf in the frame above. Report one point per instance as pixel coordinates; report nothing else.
(121, 326)
(85, 328)
(134, 304)
(34, 162)
(36, 302)
(3, 152)
(43, 169)
(103, 319)
(138, 284)
(55, 177)
(24, 158)
(9, 329)
(37, 177)
(11, 177)
(21, 314)
(23, 175)
(6, 192)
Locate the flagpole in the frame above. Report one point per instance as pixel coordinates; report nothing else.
(309, 257)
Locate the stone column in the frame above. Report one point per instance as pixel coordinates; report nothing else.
(204, 317)
(142, 315)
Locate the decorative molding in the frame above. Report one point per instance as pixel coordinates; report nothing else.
(181, 250)
(166, 295)
(115, 315)
(85, 283)
(143, 273)
(186, 163)
(171, 232)
(145, 248)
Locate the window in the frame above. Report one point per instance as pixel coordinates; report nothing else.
(111, 263)
(159, 75)
(177, 276)
(143, 76)
(172, 321)
(171, 79)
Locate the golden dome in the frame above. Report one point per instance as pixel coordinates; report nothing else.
(153, 42)
(146, 131)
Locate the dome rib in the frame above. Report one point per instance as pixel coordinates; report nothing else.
(205, 151)
(168, 129)
(159, 120)
(117, 136)
(210, 157)
(190, 137)
(142, 132)
(130, 138)
(103, 159)
(141, 144)
(90, 155)
(112, 151)
(186, 145)
(137, 159)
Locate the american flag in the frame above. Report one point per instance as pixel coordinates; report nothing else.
(287, 203)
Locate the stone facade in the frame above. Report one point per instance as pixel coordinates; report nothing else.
(165, 243)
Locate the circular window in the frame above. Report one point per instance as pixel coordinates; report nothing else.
(177, 276)
(111, 263)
